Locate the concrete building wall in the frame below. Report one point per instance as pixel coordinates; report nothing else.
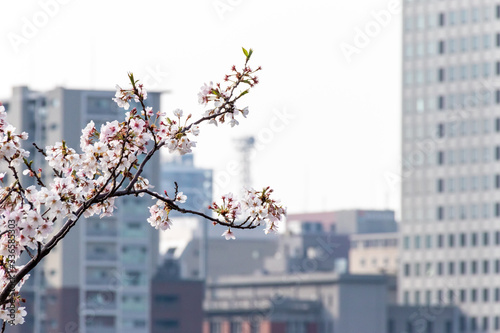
(341, 298)
(428, 318)
(362, 221)
(317, 252)
(251, 252)
(346, 222)
(357, 298)
(176, 306)
(62, 307)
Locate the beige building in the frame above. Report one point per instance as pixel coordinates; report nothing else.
(374, 253)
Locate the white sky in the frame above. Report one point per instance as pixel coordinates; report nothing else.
(342, 137)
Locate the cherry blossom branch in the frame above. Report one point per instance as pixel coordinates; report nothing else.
(16, 175)
(42, 252)
(171, 203)
(29, 252)
(89, 182)
(139, 91)
(45, 250)
(206, 118)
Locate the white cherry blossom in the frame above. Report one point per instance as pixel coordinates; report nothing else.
(228, 234)
(108, 165)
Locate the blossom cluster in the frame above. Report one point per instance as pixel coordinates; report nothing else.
(229, 209)
(261, 208)
(224, 97)
(175, 135)
(254, 209)
(124, 96)
(159, 218)
(10, 142)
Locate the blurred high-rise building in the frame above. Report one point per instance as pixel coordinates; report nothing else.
(450, 243)
(97, 280)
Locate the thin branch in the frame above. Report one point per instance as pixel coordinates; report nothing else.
(8, 194)
(29, 252)
(38, 179)
(41, 151)
(176, 189)
(16, 175)
(171, 203)
(212, 116)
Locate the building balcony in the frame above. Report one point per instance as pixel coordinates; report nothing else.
(100, 300)
(96, 232)
(98, 306)
(101, 257)
(97, 227)
(100, 330)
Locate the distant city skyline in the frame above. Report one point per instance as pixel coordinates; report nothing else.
(326, 122)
